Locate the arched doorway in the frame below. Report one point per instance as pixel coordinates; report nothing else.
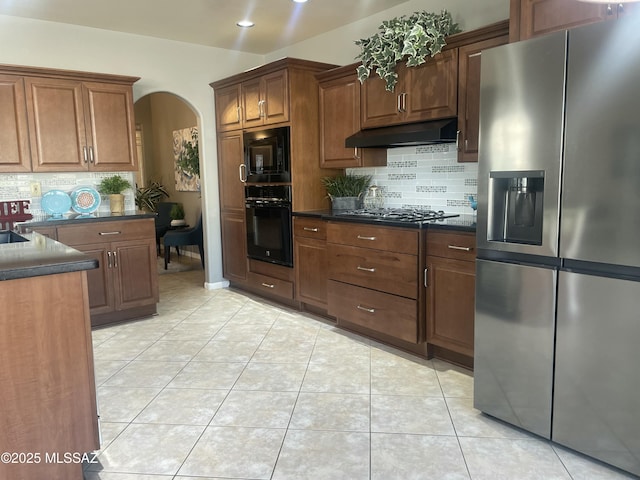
(159, 116)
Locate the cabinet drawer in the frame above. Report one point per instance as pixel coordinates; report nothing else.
(461, 246)
(371, 236)
(82, 234)
(309, 227)
(390, 272)
(381, 312)
(271, 286)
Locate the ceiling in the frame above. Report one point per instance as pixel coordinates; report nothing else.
(278, 23)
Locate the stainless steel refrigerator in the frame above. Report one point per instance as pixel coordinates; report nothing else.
(557, 327)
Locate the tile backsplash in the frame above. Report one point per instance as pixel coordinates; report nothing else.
(425, 177)
(17, 186)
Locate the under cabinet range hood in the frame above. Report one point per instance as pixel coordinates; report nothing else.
(423, 133)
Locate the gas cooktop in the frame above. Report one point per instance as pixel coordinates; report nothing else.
(403, 215)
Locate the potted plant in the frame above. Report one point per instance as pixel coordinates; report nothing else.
(177, 215)
(147, 198)
(346, 191)
(114, 186)
(415, 38)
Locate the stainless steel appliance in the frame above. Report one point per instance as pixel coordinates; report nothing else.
(268, 215)
(557, 322)
(266, 155)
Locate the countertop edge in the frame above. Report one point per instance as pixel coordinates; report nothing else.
(41, 256)
(463, 223)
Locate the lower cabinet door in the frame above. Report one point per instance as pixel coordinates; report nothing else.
(134, 271)
(389, 314)
(234, 247)
(101, 296)
(450, 304)
(310, 260)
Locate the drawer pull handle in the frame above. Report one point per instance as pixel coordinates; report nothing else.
(268, 285)
(110, 233)
(368, 310)
(309, 229)
(360, 237)
(365, 269)
(455, 247)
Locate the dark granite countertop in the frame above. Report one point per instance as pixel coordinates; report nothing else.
(40, 256)
(462, 223)
(78, 218)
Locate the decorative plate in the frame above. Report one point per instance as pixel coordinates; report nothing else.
(85, 200)
(56, 202)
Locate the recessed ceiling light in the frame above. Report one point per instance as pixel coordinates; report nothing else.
(300, 1)
(245, 23)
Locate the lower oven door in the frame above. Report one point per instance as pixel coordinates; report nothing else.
(269, 232)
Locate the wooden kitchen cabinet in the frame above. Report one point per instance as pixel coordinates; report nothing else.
(450, 282)
(265, 100)
(125, 285)
(426, 92)
(48, 393)
(532, 18)
(310, 260)
(234, 247)
(339, 96)
(373, 280)
(15, 155)
(228, 114)
(80, 125)
(469, 92)
(230, 159)
(285, 93)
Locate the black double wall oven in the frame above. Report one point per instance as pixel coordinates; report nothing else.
(268, 196)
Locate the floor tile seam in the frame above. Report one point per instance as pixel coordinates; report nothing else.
(103, 383)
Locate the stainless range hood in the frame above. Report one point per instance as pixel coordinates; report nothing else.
(424, 133)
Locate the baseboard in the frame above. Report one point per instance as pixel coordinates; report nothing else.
(216, 285)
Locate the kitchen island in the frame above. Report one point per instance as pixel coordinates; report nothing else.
(48, 420)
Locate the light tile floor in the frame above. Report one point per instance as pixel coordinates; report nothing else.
(224, 385)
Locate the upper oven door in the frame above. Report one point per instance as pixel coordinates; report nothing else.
(267, 155)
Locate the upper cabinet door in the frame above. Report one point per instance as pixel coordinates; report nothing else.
(56, 124)
(340, 118)
(379, 106)
(110, 127)
(533, 18)
(228, 108)
(432, 88)
(252, 103)
(469, 96)
(14, 153)
(276, 97)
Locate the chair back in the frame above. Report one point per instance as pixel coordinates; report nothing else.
(164, 209)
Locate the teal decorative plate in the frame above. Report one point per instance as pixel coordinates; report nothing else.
(85, 200)
(56, 203)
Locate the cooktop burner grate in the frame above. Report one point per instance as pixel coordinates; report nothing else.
(397, 214)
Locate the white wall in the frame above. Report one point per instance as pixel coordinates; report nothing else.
(338, 45)
(180, 68)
